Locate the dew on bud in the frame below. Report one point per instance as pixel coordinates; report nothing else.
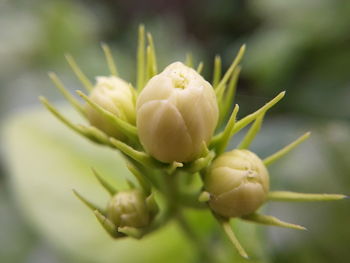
(238, 183)
(176, 111)
(116, 96)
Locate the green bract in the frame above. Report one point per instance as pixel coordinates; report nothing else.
(176, 112)
(116, 96)
(238, 183)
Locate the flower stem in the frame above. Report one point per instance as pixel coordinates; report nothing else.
(203, 252)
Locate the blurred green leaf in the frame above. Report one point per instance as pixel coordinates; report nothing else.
(46, 161)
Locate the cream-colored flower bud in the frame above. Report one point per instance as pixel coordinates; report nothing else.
(238, 183)
(114, 95)
(129, 208)
(176, 112)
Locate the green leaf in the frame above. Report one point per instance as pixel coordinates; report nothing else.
(46, 161)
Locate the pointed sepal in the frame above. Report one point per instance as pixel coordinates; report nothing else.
(126, 128)
(87, 202)
(107, 186)
(143, 182)
(59, 116)
(221, 141)
(221, 86)
(200, 67)
(251, 117)
(79, 73)
(140, 81)
(200, 163)
(286, 196)
(253, 131)
(274, 157)
(226, 227)
(216, 71)
(141, 157)
(131, 231)
(109, 59)
(189, 60)
(59, 85)
(229, 95)
(270, 220)
(94, 134)
(152, 205)
(108, 225)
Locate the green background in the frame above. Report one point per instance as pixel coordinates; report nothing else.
(302, 47)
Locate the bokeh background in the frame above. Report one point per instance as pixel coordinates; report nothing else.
(302, 47)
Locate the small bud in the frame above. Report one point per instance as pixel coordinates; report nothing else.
(238, 183)
(176, 112)
(114, 95)
(129, 208)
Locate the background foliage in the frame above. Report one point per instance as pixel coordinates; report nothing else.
(302, 47)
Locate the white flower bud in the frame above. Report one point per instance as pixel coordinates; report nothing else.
(238, 183)
(114, 95)
(129, 208)
(176, 112)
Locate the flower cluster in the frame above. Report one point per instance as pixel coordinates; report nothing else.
(171, 127)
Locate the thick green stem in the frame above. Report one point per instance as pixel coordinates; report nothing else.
(172, 195)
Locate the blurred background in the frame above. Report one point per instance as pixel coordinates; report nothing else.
(302, 47)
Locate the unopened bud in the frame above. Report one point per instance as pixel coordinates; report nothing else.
(129, 208)
(176, 112)
(238, 183)
(114, 95)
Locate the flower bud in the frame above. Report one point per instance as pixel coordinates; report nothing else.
(238, 183)
(129, 208)
(176, 112)
(116, 96)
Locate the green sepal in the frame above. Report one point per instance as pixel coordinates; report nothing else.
(130, 184)
(153, 57)
(140, 80)
(229, 72)
(200, 67)
(200, 163)
(152, 205)
(94, 134)
(59, 85)
(79, 73)
(216, 71)
(149, 70)
(107, 186)
(228, 96)
(274, 157)
(251, 117)
(270, 220)
(189, 60)
(226, 227)
(131, 231)
(144, 183)
(109, 59)
(220, 142)
(108, 225)
(253, 131)
(126, 128)
(58, 115)
(141, 157)
(89, 132)
(88, 203)
(286, 196)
